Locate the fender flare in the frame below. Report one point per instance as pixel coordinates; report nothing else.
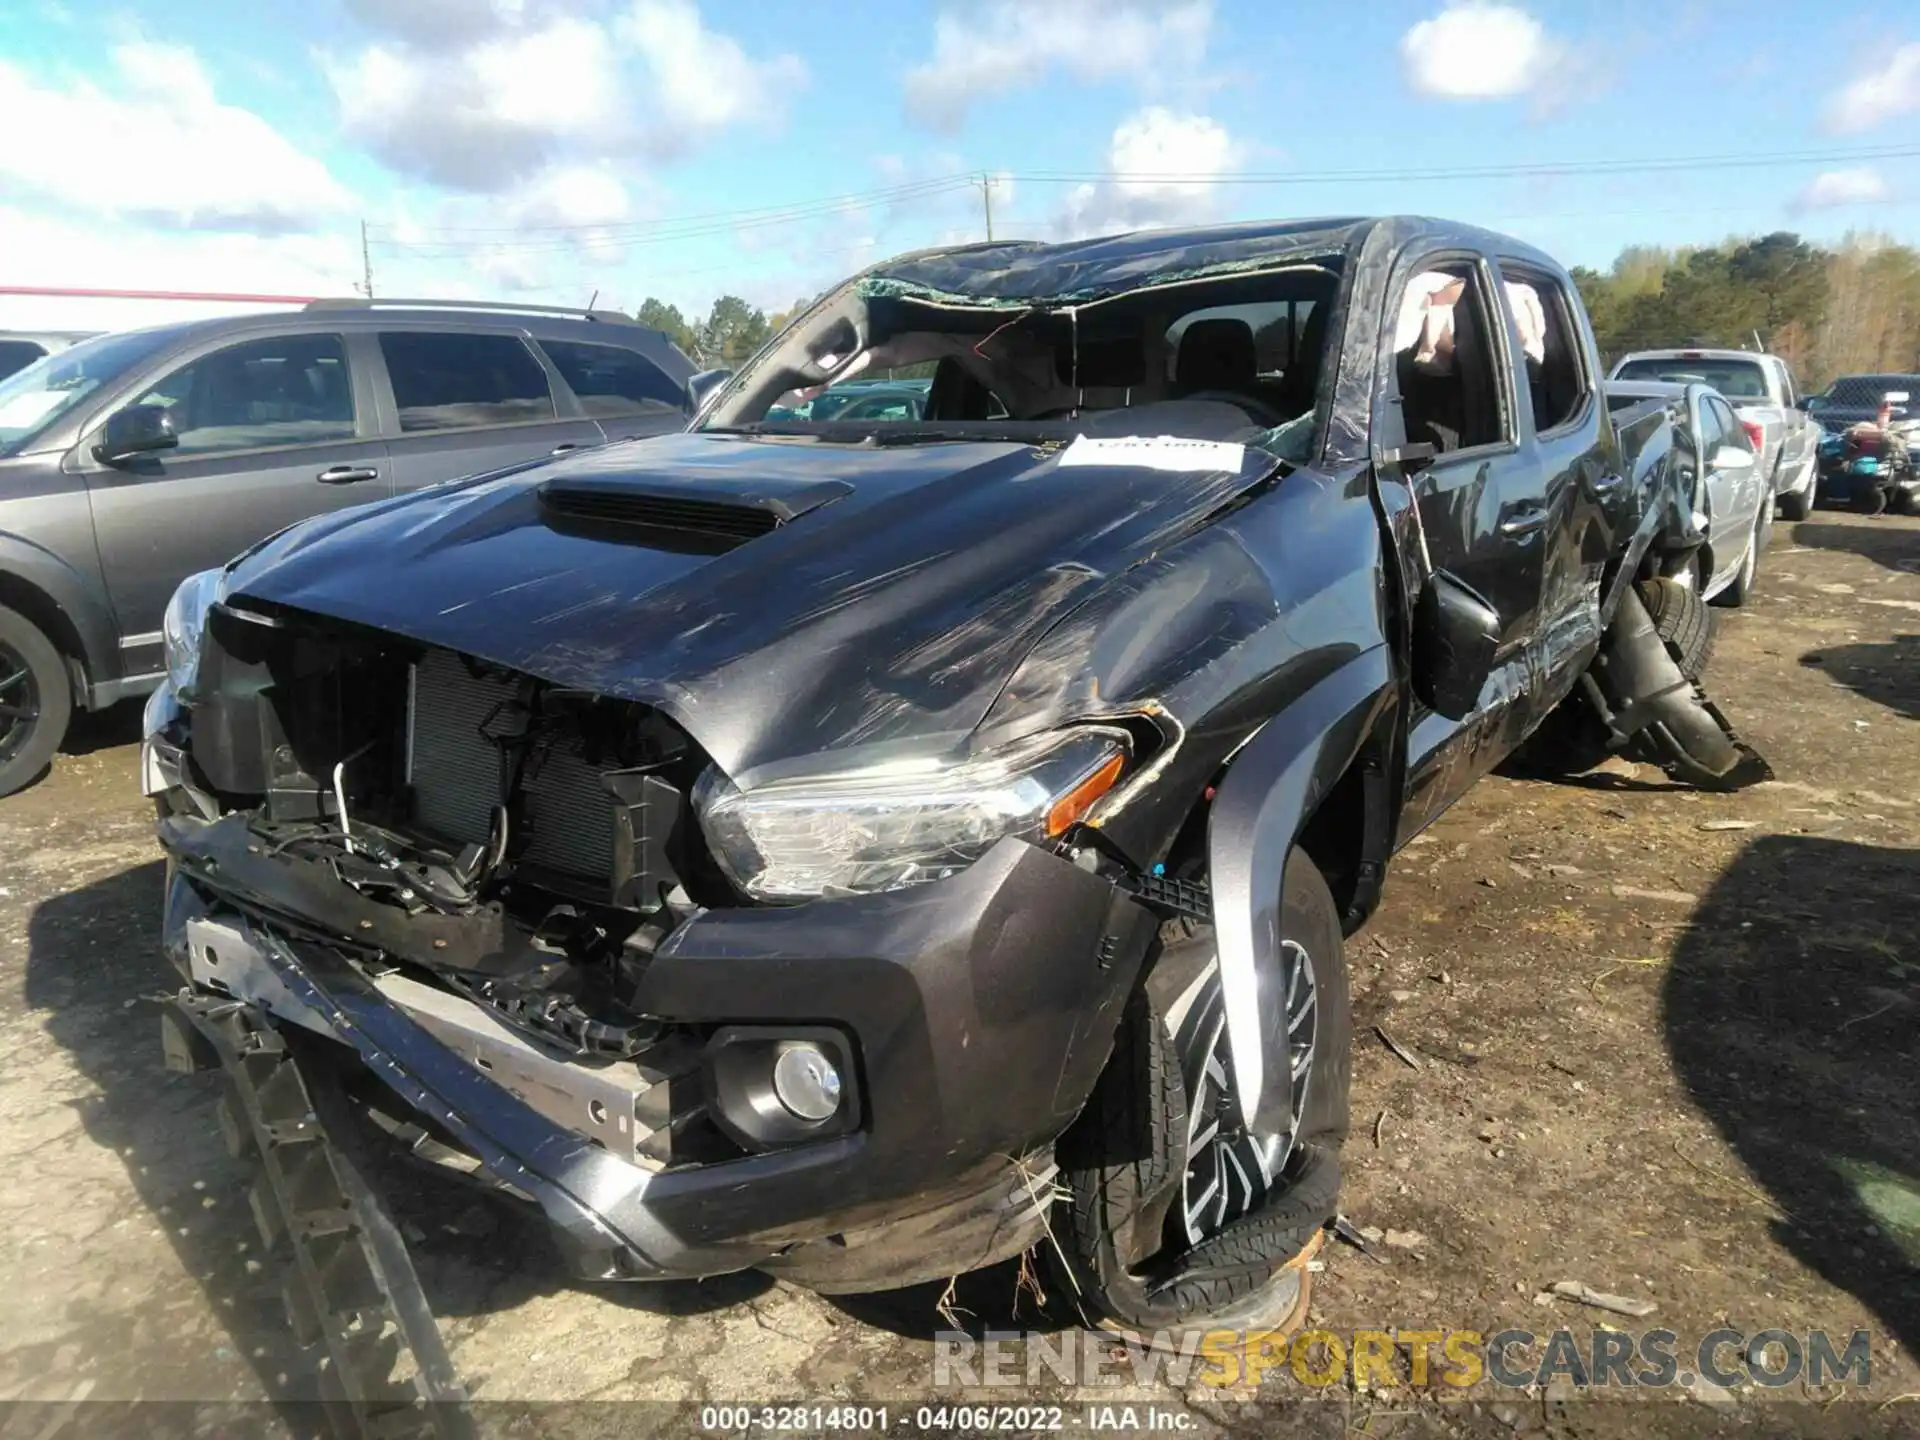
(84, 611)
(1271, 788)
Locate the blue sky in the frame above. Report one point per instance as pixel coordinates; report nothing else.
(546, 149)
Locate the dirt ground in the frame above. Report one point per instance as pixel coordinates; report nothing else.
(1665, 1046)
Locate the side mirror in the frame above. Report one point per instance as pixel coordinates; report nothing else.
(136, 430)
(1732, 457)
(1455, 636)
(704, 384)
(1803, 403)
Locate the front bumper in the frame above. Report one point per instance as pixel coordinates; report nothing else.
(982, 1009)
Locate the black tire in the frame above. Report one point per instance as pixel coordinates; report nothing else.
(1798, 504)
(1125, 1223)
(1906, 502)
(1683, 620)
(36, 701)
(1572, 739)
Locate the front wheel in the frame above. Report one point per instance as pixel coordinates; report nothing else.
(36, 701)
(1172, 1217)
(1798, 504)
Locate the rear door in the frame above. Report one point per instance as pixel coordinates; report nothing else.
(1571, 446)
(273, 428)
(456, 402)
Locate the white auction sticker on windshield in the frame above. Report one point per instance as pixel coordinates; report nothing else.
(1155, 452)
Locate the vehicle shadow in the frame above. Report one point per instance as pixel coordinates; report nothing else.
(92, 960)
(1790, 1010)
(1884, 540)
(107, 729)
(1887, 672)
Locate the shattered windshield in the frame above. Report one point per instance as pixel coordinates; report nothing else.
(1236, 354)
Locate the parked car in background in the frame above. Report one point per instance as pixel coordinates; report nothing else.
(1852, 399)
(1873, 464)
(860, 400)
(20, 348)
(1729, 516)
(129, 461)
(1761, 390)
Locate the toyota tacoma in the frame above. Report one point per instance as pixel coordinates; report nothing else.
(859, 848)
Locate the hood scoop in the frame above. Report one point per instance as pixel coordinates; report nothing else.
(708, 513)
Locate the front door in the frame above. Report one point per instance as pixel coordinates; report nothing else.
(270, 431)
(1485, 509)
(464, 402)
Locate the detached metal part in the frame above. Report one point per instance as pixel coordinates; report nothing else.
(1638, 691)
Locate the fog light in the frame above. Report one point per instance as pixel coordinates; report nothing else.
(769, 1086)
(805, 1081)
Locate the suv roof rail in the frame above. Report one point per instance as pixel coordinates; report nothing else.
(361, 302)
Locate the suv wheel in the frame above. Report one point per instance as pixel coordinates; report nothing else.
(1170, 1218)
(35, 701)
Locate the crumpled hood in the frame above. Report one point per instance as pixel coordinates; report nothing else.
(893, 612)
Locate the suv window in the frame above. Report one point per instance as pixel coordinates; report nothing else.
(1444, 362)
(449, 381)
(1557, 384)
(611, 382)
(286, 390)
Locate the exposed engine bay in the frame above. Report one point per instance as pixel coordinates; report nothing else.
(526, 843)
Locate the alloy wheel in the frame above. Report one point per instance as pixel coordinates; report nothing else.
(19, 702)
(1229, 1171)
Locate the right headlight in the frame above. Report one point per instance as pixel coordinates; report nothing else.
(903, 823)
(185, 623)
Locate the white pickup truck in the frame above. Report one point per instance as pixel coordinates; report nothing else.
(1762, 393)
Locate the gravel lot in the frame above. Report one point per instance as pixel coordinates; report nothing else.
(1666, 1047)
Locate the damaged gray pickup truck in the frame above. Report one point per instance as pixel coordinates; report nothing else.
(852, 848)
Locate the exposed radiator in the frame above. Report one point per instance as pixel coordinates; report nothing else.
(566, 821)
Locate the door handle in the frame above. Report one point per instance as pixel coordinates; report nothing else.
(564, 447)
(1525, 522)
(347, 474)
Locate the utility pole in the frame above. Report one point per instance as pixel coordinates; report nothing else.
(366, 263)
(986, 199)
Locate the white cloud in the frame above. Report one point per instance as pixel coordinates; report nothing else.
(1861, 186)
(1162, 169)
(1879, 95)
(155, 143)
(983, 48)
(1477, 50)
(88, 252)
(493, 98)
(701, 81)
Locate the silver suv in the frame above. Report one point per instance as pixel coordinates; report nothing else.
(130, 461)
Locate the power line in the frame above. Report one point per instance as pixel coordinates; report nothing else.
(523, 239)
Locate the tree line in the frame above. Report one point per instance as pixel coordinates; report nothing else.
(1848, 310)
(732, 331)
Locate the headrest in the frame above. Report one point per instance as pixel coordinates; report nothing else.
(1216, 355)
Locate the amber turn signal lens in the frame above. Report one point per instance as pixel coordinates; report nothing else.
(1071, 807)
